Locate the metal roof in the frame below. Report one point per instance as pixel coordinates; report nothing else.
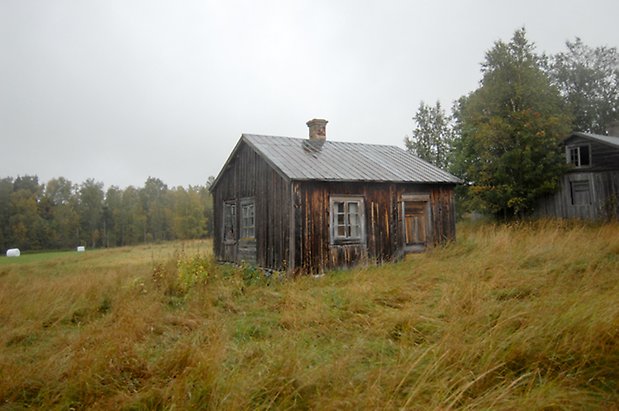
(610, 140)
(303, 159)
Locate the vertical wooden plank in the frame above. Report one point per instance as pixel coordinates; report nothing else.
(248, 175)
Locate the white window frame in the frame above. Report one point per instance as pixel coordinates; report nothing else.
(342, 228)
(574, 156)
(248, 219)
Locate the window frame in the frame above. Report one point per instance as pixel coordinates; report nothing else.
(229, 205)
(247, 232)
(416, 198)
(334, 224)
(577, 192)
(576, 149)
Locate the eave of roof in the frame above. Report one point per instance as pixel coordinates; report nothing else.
(304, 160)
(226, 165)
(608, 140)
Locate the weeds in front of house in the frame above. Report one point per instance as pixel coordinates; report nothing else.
(509, 317)
(180, 274)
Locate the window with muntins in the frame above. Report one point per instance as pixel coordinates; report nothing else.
(579, 156)
(347, 220)
(248, 219)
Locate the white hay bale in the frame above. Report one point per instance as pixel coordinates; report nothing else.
(81, 249)
(13, 252)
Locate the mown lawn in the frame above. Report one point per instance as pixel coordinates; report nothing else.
(509, 317)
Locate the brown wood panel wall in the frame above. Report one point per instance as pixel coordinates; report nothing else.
(384, 242)
(443, 214)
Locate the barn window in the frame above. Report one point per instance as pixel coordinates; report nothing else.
(248, 219)
(347, 220)
(579, 156)
(229, 221)
(581, 192)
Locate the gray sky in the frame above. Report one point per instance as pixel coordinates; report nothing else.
(119, 90)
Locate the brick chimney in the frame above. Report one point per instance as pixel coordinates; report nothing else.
(317, 129)
(613, 128)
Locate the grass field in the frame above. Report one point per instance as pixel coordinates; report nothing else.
(508, 317)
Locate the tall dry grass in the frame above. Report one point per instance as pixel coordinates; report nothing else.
(508, 317)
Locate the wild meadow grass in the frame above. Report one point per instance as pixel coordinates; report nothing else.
(522, 316)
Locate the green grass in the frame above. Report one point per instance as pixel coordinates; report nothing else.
(34, 257)
(508, 317)
(121, 255)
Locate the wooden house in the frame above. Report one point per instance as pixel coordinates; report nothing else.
(590, 188)
(310, 205)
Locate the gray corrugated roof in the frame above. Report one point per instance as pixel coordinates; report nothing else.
(302, 159)
(613, 141)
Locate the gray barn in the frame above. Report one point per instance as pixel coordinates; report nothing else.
(590, 189)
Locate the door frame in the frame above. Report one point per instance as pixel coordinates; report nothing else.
(417, 198)
(229, 245)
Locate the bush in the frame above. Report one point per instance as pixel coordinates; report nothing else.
(177, 276)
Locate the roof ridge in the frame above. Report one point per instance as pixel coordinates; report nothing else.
(294, 159)
(325, 142)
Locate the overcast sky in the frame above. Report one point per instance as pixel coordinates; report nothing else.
(120, 90)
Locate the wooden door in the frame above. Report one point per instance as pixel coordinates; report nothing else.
(415, 223)
(229, 237)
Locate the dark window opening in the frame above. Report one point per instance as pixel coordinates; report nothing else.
(579, 156)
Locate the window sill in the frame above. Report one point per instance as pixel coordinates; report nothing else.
(355, 241)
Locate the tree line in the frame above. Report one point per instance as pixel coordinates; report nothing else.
(61, 214)
(503, 138)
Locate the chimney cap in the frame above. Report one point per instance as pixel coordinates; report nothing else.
(317, 129)
(317, 121)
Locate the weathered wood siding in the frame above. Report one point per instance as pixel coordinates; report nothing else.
(443, 203)
(602, 177)
(249, 176)
(313, 251)
(292, 219)
(604, 197)
(603, 156)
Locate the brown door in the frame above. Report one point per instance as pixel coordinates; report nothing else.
(415, 223)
